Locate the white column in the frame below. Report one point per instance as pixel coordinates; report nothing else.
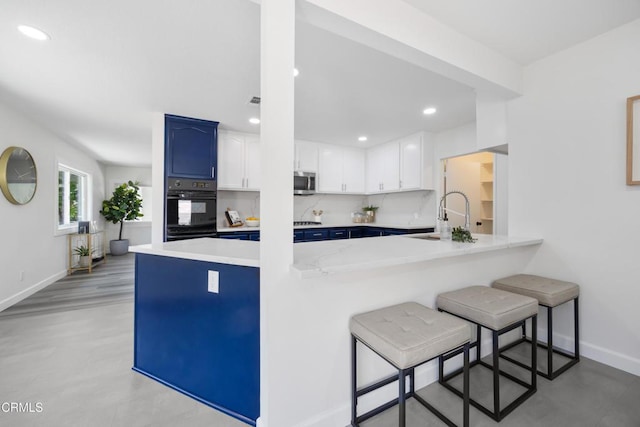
(276, 197)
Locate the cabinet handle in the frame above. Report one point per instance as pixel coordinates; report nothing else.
(213, 172)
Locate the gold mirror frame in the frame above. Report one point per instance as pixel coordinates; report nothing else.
(633, 142)
(6, 169)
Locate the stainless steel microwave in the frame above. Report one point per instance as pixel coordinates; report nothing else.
(304, 183)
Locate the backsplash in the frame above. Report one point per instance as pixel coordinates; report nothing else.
(406, 208)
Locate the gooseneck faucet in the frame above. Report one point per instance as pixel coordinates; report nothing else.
(443, 209)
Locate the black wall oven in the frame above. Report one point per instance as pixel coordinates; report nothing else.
(190, 208)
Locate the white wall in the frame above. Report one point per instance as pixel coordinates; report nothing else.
(138, 232)
(567, 184)
(29, 242)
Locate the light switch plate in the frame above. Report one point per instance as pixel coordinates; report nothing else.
(213, 282)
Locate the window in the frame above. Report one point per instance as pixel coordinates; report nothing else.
(72, 197)
(145, 195)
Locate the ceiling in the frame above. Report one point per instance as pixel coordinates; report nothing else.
(109, 65)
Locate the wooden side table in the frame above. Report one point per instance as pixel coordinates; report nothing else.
(97, 248)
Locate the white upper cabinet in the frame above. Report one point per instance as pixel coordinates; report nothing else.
(383, 168)
(305, 156)
(340, 169)
(238, 162)
(398, 166)
(411, 164)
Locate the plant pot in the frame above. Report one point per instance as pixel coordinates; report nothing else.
(119, 247)
(85, 261)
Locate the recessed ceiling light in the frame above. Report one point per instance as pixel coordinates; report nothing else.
(429, 111)
(254, 120)
(296, 72)
(362, 138)
(32, 32)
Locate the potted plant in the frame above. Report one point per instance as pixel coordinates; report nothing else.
(85, 255)
(371, 212)
(124, 205)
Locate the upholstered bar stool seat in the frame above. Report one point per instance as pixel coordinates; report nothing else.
(550, 293)
(500, 312)
(407, 335)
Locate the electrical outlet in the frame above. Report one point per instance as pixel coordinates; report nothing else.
(416, 215)
(213, 284)
(21, 276)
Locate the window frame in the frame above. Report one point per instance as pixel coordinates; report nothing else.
(85, 198)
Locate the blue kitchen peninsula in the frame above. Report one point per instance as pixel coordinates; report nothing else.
(197, 324)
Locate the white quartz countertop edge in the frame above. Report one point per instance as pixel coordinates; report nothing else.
(316, 259)
(367, 254)
(223, 251)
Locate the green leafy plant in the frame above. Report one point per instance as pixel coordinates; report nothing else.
(370, 208)
(124, 205)
(83, 250)
(459, 234)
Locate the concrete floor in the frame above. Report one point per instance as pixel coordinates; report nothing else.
(76, 364)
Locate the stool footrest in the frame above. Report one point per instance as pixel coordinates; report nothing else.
(550, 376)
(507, 409)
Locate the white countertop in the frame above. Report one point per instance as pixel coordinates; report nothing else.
(346, 224)
(313, 259)
(224, 251)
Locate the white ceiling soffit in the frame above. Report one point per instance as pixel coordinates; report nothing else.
(526, 30)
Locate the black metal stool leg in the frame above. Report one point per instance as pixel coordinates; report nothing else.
(496, 375)
(576, 330)
(354, 384)
(534, 352)
(465, 393)
(402, 396)
(550, 341)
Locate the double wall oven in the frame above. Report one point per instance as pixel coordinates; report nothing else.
(190, 208)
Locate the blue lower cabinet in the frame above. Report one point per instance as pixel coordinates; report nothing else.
(255, 236)
(298, 236)
(372, 232)
(355, 232)
(394, 232)
(203, 344)
(316, 234)
(235, 236)
(338, 233)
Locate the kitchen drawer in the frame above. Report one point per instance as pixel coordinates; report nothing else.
(338, 233)
(255, 236)
(356, 232)
(236, 236)
(393, 232)
(372, 232)
(316, 234)
(298, 236)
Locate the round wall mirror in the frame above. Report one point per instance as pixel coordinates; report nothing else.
(18, 175)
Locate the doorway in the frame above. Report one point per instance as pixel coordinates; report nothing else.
(474, 175)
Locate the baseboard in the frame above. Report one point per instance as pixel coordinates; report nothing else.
(599, 354)
(14, 299)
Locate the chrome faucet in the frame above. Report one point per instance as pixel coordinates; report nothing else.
(467, 214)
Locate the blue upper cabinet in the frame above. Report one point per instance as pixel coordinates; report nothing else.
(191, 147)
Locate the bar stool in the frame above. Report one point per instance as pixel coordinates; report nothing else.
(500, 312)
(406, 336)
(550, 293)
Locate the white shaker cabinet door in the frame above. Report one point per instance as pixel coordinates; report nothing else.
(411, 163)
(252, 164)
(306, 156)
(231, 161)
(329, 169)
(353, 171)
